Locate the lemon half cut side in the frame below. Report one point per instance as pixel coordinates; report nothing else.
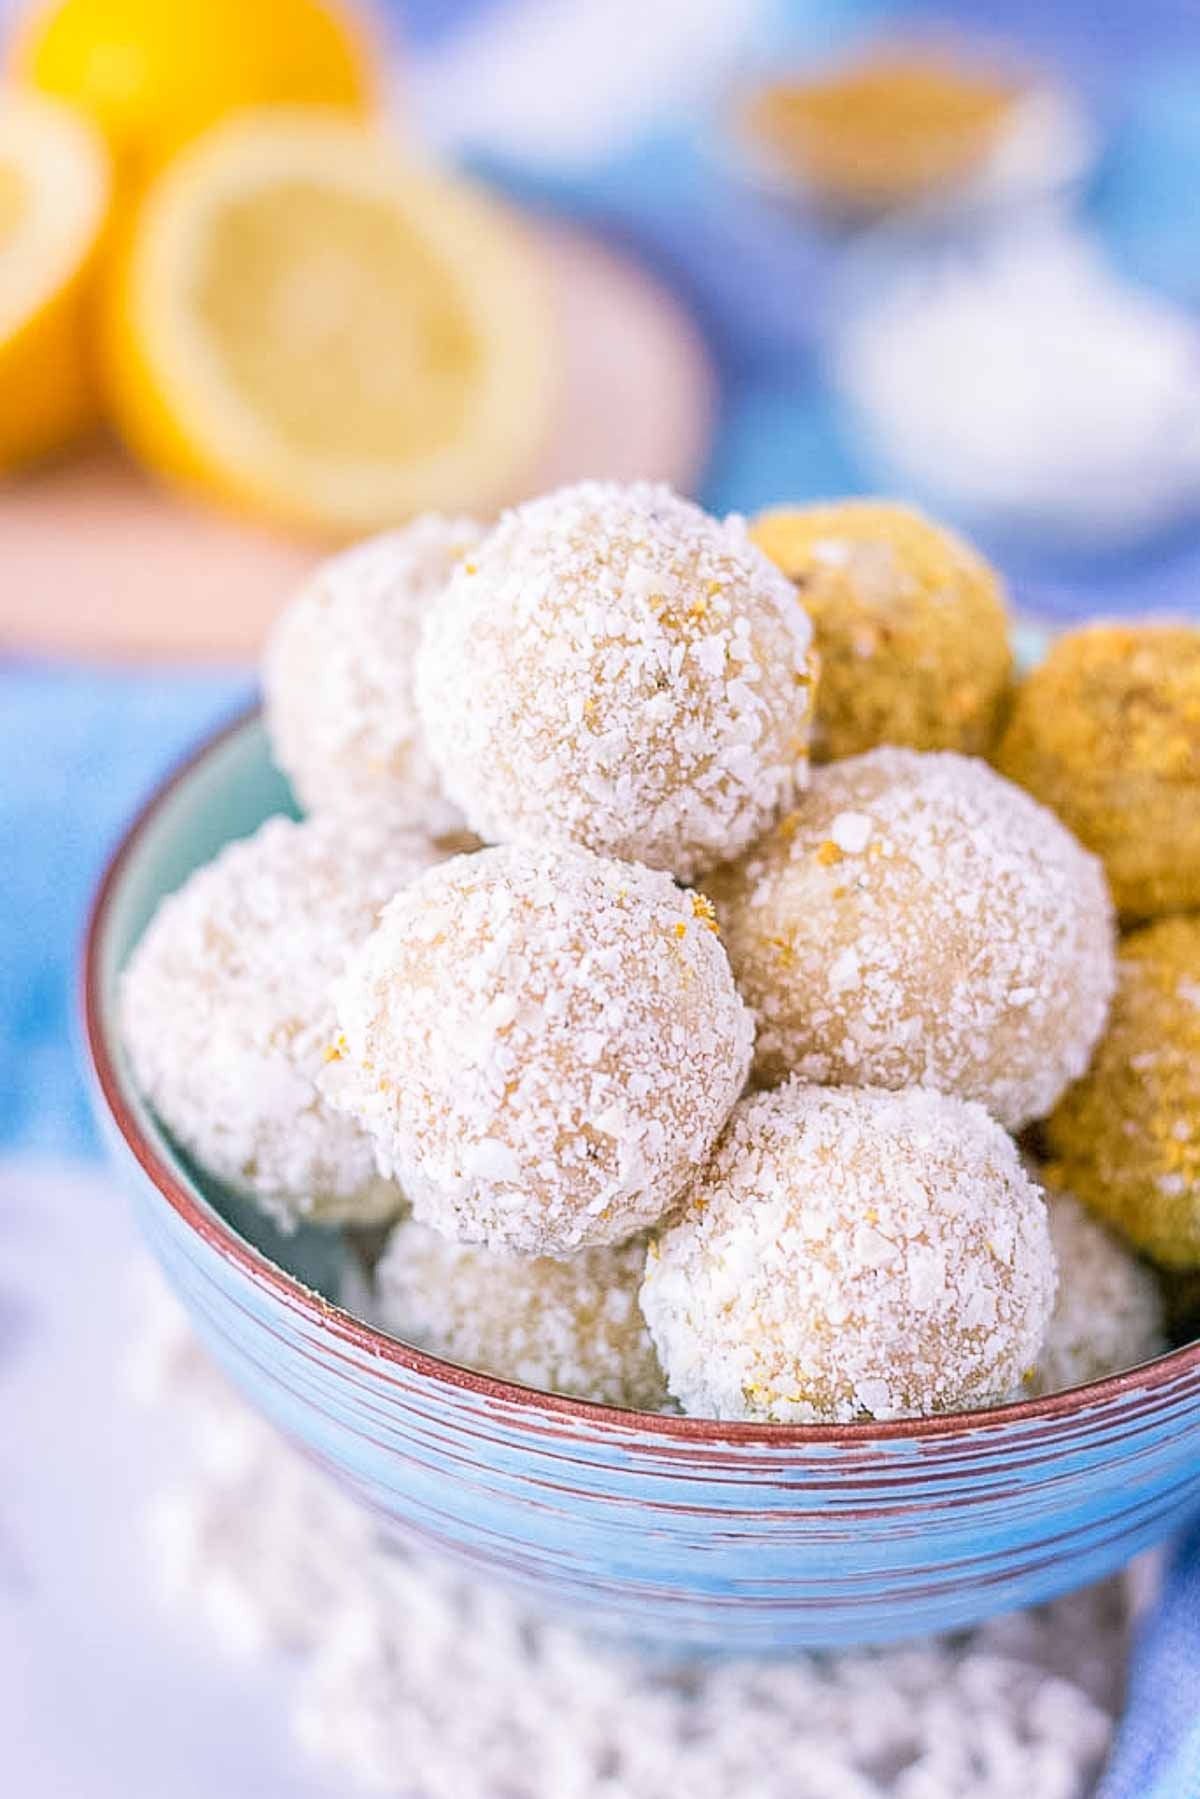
(54, 199)
(305, 323)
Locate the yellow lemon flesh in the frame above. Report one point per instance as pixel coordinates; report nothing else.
(153, 73)
(54, 197)
(304, 324)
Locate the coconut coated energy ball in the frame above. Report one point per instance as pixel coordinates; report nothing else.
(1126, 1138)
(615, 668)
(911, 627)
(338, 675)
(852, 1254)
(1109, 1311)
(543, 1045)
(922, 922)
(1107, 732)
(226, 1012)
(571, 1327)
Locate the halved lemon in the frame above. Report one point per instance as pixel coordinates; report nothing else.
(54, 196)
(304, 323)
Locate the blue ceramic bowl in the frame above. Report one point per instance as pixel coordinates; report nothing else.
(738, 1537)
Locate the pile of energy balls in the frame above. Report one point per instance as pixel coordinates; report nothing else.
(662, 956)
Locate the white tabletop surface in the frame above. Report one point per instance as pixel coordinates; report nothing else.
(103, 1693)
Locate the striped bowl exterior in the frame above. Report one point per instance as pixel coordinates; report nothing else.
(730, 1537)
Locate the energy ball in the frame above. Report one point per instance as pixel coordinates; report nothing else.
(571, 1327)
(616, 669)
(543, 1045)
(1126, 1138)
(1107, 733)
(922, 922)
(911, 627)
(227, 1015)
(1109, 1311)
(338, 675)
(852, 1254)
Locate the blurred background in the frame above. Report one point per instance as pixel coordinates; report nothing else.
(276, 274)
(765, 250)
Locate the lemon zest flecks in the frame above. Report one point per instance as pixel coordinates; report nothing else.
(704, 910)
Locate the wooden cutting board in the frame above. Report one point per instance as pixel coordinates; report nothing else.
(95, 560)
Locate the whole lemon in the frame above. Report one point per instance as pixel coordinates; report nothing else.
(154, 73)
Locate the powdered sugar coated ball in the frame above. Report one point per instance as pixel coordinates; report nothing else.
(1109, 1314)
(338, 674)
(543, 1044)
(617, 669)
(852, 1253)
(922, 922)
(571, 1327)
(227, 1015)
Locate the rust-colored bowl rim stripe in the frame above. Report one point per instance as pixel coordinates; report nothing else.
(544, 1407)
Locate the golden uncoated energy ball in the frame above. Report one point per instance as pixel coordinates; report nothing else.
(617, 669)
(851, 1254)
(1126, 1138)
(543, 1045)
(226, 1011)
(911, 627)
(572, 1327)
(1107, 733)
(921, 921)
(338, 674)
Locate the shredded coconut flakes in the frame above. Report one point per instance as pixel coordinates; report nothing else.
(543, 1045)
(921, 921)
(570, 1327)
(852, 1253)
(338, 674)
(226, 1012)
(615, 668)
(1109, 1312)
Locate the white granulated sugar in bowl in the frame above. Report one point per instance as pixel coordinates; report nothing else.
(227, 1015)
(613, 667)
(1022, 382)
(415, 1681)
(338, 674)
(543, 1045)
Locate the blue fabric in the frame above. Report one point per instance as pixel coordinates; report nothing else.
(1158, 1753)
(78, 747)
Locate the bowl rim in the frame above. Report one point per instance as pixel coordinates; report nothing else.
(203, 1218)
